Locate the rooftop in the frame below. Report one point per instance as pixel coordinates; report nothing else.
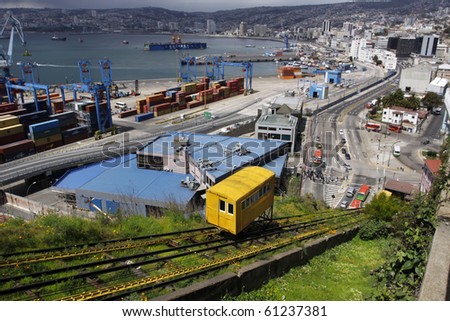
(400, 187)
(120, 177)
(433, 165)
(217, 154)
(277, 120)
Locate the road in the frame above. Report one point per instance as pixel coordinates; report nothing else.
(370, 157)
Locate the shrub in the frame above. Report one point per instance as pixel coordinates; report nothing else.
(374, 229)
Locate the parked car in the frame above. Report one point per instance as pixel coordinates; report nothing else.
(344, 151)
(344, 204)
(426, 141)
(343, 141)
(347, 156)
(348, 167)
(350, 192)
(341, 131)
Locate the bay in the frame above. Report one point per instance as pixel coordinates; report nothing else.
(57, 60)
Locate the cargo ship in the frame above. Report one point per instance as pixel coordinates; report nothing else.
(174, 45)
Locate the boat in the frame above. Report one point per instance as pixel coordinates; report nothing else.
(250, 46)
(174, 45)
(80, 40)
(125, 42)
(59, 38)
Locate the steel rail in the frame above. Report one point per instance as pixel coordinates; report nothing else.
(275, 231)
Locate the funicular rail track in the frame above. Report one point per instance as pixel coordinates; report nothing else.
(152, 269)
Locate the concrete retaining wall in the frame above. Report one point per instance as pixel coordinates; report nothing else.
(436, 281)
(253, 276)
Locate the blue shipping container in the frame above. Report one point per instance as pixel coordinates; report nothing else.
(142, 117)
(40, 127)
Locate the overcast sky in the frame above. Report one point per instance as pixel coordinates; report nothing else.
(180, 5)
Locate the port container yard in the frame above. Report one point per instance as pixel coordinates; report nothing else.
(72, 121)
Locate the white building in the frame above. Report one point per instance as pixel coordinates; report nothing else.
(210, 27)
(326, 26)
(276, 121)
(416, 79)
(173, 26)
(243, 29)
(438, 86)
(347, 26)
(429, 45)
(404, 117)
(362, 50)
(260, 30)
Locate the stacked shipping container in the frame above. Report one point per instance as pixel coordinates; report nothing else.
(16, 150)
(10, 130)
(46, 135)
(190, 95)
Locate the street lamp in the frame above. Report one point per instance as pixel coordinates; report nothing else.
(28, 189)
(28, 200)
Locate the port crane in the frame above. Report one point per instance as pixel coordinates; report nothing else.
(6, 56)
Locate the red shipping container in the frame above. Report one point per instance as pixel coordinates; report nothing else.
(11, 138)
(127, 113)
(194, 104)
(161, 107)
(7, 107)
(16, 146)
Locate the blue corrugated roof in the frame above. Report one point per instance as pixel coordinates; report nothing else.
(125, 179)
(75, 178)
(122, 178)
(277, 165)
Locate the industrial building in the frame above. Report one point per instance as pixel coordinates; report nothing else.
(318, 91)
(416, 79)
(174, 169)
(438, 86)
(333, 76)
(278, 120)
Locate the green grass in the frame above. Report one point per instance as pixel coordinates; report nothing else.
(340, 274)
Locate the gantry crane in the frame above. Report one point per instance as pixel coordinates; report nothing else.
(104, 119)
(6, 57)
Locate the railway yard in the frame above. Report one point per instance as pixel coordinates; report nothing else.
(152, 266)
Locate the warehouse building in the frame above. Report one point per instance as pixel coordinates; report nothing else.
(174, 169)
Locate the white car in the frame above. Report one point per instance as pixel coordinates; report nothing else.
(344, 204)
(341, 131)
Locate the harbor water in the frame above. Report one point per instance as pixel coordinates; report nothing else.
(57, 60)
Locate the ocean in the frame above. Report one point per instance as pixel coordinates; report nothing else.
(58, 60)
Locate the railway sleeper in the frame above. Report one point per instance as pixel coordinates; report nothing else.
(97, 283)
(173, 243)
(33, 295)
(208, 256)
(135, 270)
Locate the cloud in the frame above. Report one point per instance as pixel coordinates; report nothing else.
(180, 5)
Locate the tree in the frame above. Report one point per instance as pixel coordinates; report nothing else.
(394, 98)
(375, 59)
(412, 102)
(431, 100)
(383, 208)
